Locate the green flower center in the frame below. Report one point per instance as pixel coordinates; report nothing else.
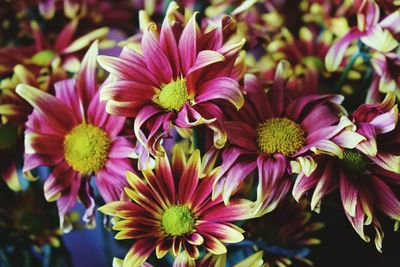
(86, 148)
(354, 161)
(280, 135)
(177, 221)
(173, 95)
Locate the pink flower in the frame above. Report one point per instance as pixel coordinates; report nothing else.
(170, 209)
(374, 34)
(365, 174)
(72, 132)
(277, 137)
(181, 71)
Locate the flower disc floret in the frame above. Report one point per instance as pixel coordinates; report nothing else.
(173, 95)
(177, 221)
(354, 161)
(86, 148)
(280, 135)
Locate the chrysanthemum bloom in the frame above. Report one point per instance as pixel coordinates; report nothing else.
(28, 219)
(171, 209)
(290, 227)
(386, 75)
(306, 55)
(181, 71)
(376, 35)
(278, 136)
(72, 132)
(366, 174)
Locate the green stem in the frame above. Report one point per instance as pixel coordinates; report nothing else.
(196, 141)
(346, 71)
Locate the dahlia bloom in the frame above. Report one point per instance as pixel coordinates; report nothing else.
(379, 36)
(181, 71)
(365, 174)
(72, 132)
(278, 136)
(171, 209)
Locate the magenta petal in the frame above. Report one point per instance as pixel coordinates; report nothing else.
(156, 60)
(111, 179)
(126, 69)
(143, 115)
(121, 148)
(66, 35)
(65, 90)
(58, 181)
(369, 146)
(386, 200)
(187, 45)
(235, 176)
(242, 135)
(86, 197)
(69, 196)
(53, 110)
(221, 88)
(86, 81)
(169, 46)
(256, 95)
(336, 53)
(349, 194)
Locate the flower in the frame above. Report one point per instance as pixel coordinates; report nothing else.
(379, 36)
(278, 137)
(285, 234)
(28, 218)
(72, 132)
(365, 174)
(182, 70)
(171, 208)
(306, 54)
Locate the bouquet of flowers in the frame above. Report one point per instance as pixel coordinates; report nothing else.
(203, 133)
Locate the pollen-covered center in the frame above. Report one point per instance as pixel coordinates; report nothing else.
(86, 148)
(173, 95)
(177, 221)
(280, 135)
(354, 161)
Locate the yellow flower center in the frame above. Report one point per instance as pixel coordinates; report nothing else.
(86, 148)
(177, 221)
(173, 95)
(354, 161)
(280, 135)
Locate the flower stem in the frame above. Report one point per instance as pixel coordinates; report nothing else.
(346, 71)
(196, 141)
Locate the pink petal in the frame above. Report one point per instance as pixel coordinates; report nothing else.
(187, 45)
(121, 148)
(242, 135)
(128, 69)
(139, 252)
(66, 91)
(349, 194)
(86, 81)
(65, 36)
(155, 58)
(221, 88)
(235, 176)
(51, 109)
(190, 178)
(337, 51)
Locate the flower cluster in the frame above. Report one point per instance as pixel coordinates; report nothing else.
(202, 128)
